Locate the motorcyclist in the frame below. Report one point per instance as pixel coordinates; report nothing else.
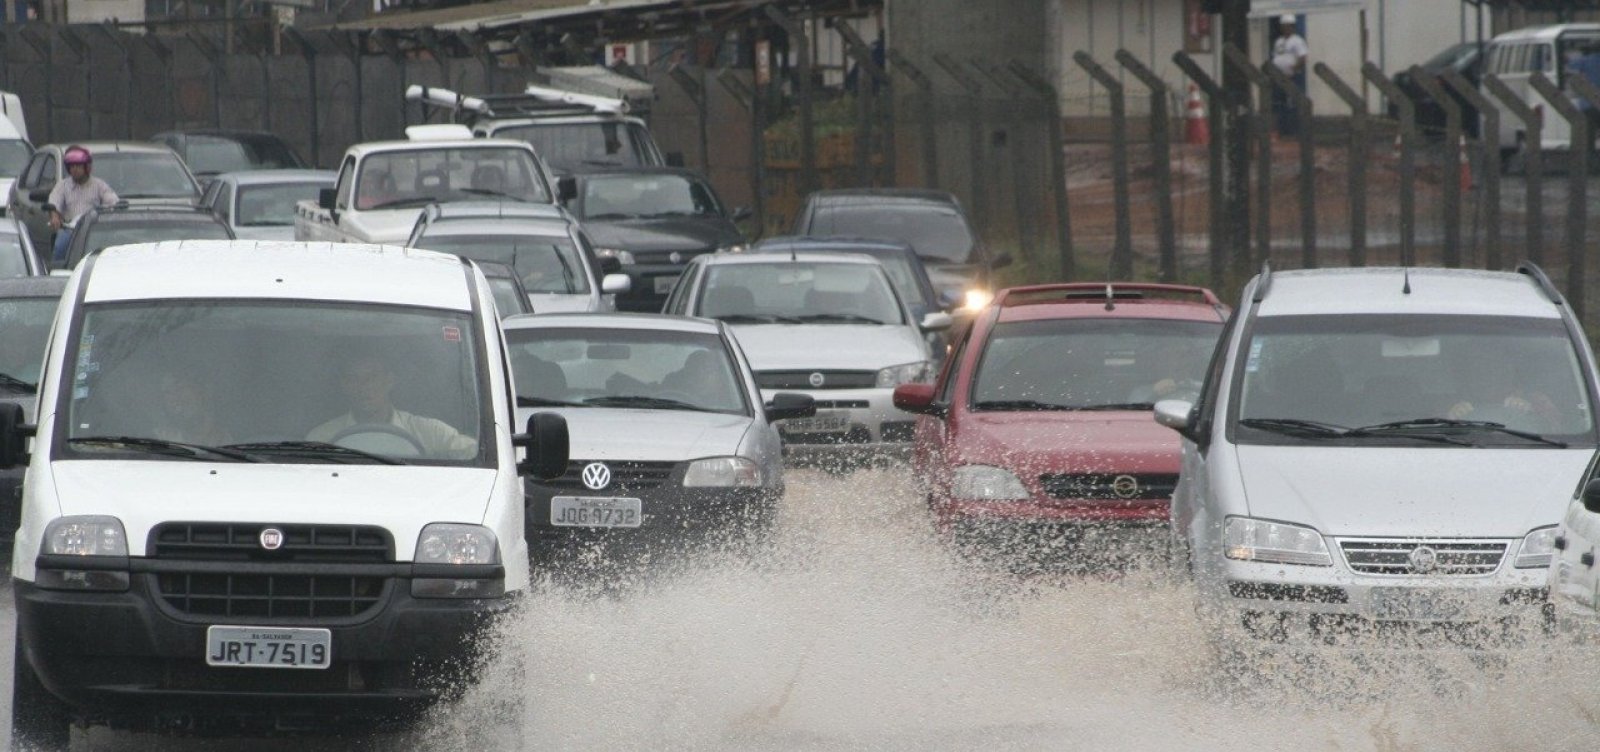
(71, 199)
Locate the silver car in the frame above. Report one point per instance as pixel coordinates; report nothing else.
(670, 439)
(543, 243)
(18, 258)
(827, 325)
(259, 204)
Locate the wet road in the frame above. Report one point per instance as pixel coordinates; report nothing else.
(856, 631)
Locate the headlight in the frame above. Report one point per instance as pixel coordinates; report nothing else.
(1246, 539)
(86, 536)
(976, 299)
(1537, 548)
(910, 373)
(455, 543)
(622, 257)
(723, 472)
(735, 248)
(986, 483)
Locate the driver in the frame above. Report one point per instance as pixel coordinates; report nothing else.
(1496, 392)
(366, 381)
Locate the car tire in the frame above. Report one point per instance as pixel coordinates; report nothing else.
(40, 721)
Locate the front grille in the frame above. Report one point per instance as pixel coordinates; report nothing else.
(220, 541)
(830, 379)
(625, 476)
(1394, 556)
(665, 257)
(271, 596)
(841, 404)
(1272, 591)
(1109, 486)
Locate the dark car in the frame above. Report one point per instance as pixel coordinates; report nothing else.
(29, 306)
(652, 220)
(211, 152)
(932, 222)
(1466, 59)
(123, 225)
(510, 297)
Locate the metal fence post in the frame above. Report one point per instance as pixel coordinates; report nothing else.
(1408, 172)
(1121, 266)
(1452, 142)
(309, 52)
(975, 127)
(800, 44)
(116, 39)
(1577, 183)
(694, 88)
(862, 52)
(1019, 160)
(41, 47)
(1161, 142)
(1532, 163)
(1308, 163)
(929, 137)
(1489, 137)
(1262, 124)
(1217, 108)
(1359, 140)
(1058, 162)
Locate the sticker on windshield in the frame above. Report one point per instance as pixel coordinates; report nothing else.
(452, 334)
(1253, 362)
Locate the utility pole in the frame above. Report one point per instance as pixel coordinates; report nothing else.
(1236, 32)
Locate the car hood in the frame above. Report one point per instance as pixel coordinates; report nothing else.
(1063, 441)
(276, 232)
(603, 433)
(845, 347)
(1411, 492)
(547, 302)
(665, 234)
(145, 493)
(382, 226)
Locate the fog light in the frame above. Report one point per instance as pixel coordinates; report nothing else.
(457, 588)
(74, 579)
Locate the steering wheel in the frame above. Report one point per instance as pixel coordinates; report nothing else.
(380, 439)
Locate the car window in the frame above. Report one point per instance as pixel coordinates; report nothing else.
(952, 369)
(417, 177)
(145, 175)
(935, 231)
(208, 155)
(47, 173)
(680, 290)
(346, 184)
(646, 196)
(272, 205)
(625, 368)
(13, 256)
(35, 168)
(14, 154)
(508, 300)
(106, 234)
(24, 329)
(546, 263)
(799, 292)
(1212, 387)
(1074, 364)
(571, 146)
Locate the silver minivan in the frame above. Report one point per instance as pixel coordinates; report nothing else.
(1383, 452)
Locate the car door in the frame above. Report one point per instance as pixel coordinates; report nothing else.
(39, 174)
(1194, 478)
(1574, 582)
(933, 435)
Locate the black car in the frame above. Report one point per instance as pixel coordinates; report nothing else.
(212, 151)
(1466, 59)
(29, 307)
(932, 222)
(652, 220)
(125, 225)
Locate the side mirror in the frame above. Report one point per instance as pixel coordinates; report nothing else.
(1179, 416)
(1591, 496)
(546, 442)
(675, 159)
(741, 214)
(936, 321)
(325, 198)
(566, 188)
(949, 299)
(787, 405)
(917, 398)
(12, 434)
(39, 195)
(1002, 261)
(616, 284)
(610, 265)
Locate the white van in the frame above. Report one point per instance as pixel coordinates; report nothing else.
(269, 482)
(1516, 55)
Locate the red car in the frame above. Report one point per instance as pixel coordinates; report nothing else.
(1041, 418)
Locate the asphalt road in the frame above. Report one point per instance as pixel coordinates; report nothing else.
(857, 631)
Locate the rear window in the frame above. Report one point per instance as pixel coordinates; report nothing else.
(106, 234)
(569, 146)
(145, 175)
(208, 155)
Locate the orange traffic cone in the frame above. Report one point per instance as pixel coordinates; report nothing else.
(1466, 165)
(1196, 130)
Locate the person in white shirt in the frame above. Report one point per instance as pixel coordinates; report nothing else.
(366, 381)
(1289, 53)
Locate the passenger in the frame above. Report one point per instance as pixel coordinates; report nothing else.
(188, 411)
(1497, 395)
(366, 381)
(1173, 364)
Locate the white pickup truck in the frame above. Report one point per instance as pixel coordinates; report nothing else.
(383, 186)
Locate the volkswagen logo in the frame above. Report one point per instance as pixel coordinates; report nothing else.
(271, 538)
(1125, 486)
(676, 258)
(596, 476)
(1423, 559)
(816, 380)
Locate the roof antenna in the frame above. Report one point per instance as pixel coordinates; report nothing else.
(1110, 305)
(1406, 289)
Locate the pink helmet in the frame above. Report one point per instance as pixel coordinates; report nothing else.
(77, 155)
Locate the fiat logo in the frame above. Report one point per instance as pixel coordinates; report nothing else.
(271, 539)
(1423, 559)
(596, 476)
(1125, 486)
(816, 380)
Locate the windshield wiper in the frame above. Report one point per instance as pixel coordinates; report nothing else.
(846, 318)
(1019, 404)
(648, 403)
(1311, 429)
(12, 382)
(612, 215)
(1423, 424)
(544, 402)
(756, 318)
(1119, 406)
(601, 163)
(491, 192)
(402, 202)
(314, 449)
(162, 446)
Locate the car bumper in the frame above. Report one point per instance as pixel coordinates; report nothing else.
(670, 517)
(10, 507)
(121, 655)
(872, 426)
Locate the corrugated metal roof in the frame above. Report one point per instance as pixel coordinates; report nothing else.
(488, 15)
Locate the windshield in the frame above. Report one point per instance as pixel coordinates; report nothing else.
(571, 146)
(109, 233)
(273, 205)
(13, 256)
(208, 155)
(144, 175)
(793, 292)
(547, 264)
(1362, 371)
(24, 329)
(935, 231)
(646, 196)
(1075, 364)
(272, 376)
(415, 177)
(645, 369)
(508, 300)
(14, 155)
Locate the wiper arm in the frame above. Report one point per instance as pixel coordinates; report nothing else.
(492, 192)
(402, 202)
(315, 449)
(649, 403)
(844, 317)
(1019, 405)
(1482, 425)
(544, 402)
(162, 446)
(7, 380)
(1295, 427)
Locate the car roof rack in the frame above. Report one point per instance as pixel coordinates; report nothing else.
(1264, 284)
(535, 101)
(1097, 292)
(1541, 279)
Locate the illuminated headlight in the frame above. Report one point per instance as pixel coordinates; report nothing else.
(723, 472)
(986, 483)
(86, 536)
(910, 373)
(976, 299)
(735, 248)
(622, 257)
(455, 543)
(1249, 539)
(1537, 549)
